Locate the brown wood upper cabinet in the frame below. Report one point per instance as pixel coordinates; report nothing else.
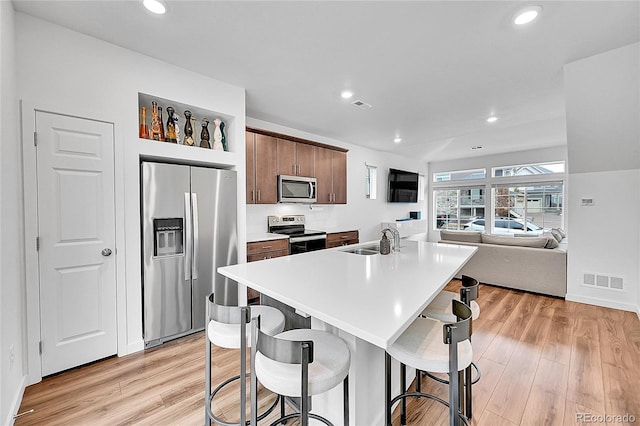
(331, 174)
(261, 169)
(295, 158)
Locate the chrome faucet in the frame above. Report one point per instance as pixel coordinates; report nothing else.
(396, 238)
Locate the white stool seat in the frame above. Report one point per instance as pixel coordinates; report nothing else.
(329, 368)
(228, 335)
(421, 347)
(440, 307)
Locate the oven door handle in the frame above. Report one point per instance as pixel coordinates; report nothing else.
(309, 238)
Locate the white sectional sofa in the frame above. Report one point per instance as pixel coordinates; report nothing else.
(515, 262)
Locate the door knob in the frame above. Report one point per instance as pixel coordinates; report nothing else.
(106, 252)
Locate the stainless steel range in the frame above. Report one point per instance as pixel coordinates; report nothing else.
(301, 240)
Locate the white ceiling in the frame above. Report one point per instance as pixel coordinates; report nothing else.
(433, 70)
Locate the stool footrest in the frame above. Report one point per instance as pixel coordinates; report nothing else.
(428, 396)
(218, 388)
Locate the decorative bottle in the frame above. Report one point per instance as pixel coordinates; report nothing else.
(176, 127)
(217, 136)
(144, 129)
(161, 124)
(224, 137)
(171, 129)
(155, 122)
(204, 135)
(188, 129)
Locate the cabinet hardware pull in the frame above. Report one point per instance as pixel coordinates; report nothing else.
(293, 166)
(266, 247)
(253, 195)
(344, 236)
(258, 195)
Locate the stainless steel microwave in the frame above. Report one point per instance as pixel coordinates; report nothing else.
(296, 189)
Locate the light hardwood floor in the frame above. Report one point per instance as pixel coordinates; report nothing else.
(543, 361)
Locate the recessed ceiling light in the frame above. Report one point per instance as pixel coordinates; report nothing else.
(154, 6)
(346, 94)
(492, 119)
(397, 139)
(527, 15)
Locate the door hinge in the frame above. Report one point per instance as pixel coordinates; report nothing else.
(35, 138)
(40, 347)
(37, 243)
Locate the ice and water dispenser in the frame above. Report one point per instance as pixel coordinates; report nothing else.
(167, 237)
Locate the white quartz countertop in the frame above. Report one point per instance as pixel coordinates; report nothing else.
(265, 236)
(373, 297)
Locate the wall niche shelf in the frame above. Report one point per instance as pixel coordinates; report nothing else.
(169, 151)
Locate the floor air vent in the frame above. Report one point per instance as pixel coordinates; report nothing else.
(602, 281)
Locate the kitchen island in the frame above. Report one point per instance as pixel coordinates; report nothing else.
(368, 300)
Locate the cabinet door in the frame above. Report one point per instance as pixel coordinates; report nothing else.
(304, 159)
(286, 157)
(339, 177)
(266, 170)
(250, 167)
(323, 175)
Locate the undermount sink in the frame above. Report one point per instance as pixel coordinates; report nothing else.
(367, 250)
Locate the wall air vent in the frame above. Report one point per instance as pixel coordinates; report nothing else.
(361, 104)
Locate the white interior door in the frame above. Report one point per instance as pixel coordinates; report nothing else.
(76, 220)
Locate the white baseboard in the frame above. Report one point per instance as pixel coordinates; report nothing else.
(603, 302)
(17, 400)
(132, 347)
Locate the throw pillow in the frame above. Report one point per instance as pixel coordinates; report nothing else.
(461, 236)
(561, 232)
(556, 234)
(552, 242)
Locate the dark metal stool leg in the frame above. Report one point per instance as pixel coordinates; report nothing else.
(418, 381)
(387, 389)
(403, 389)
(345, 395)
(468, 398)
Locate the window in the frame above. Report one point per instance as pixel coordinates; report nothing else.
(371, 182)
(535, 206)
(460, 175)
(455, 207)
(528, 169)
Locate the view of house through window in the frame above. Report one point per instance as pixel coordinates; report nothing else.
(534, 206)
(512, 208)
(456, 207)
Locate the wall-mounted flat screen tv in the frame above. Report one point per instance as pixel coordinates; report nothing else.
(403, 187)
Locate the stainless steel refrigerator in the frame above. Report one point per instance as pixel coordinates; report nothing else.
(188, 230)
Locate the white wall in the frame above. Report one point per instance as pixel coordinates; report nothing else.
(64, 71)
(603, 135)
(12, 303)
(487, 162)
(359, 213)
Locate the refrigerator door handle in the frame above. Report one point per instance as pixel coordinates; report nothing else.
(188, 236)
(196, 239)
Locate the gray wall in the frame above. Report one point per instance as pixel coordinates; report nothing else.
(12, 302)
(602, 99)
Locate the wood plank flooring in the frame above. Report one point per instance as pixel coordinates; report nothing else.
(543, 361)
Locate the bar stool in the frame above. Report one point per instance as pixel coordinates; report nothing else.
(440, 309)
(299, 363)
(430, 345)
(227, 328)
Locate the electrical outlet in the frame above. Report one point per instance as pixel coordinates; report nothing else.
(12, 355)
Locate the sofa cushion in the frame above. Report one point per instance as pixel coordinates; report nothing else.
(560, 231)
(535, 242)
(462, 236)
